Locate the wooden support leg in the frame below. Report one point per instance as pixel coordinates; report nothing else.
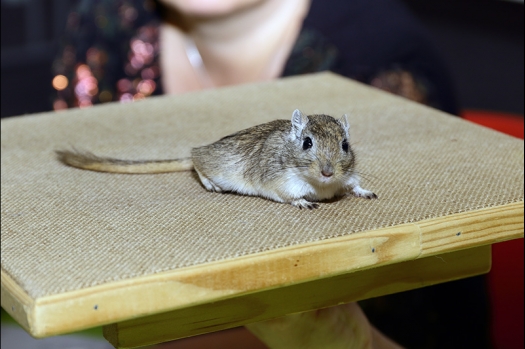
(306, 296)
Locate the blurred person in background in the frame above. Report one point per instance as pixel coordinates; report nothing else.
(127, 50)
(130, 49)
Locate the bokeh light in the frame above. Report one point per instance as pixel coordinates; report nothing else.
(59, 104)
(105, 96)
(86, 86)
(126, 97)
(60, 82)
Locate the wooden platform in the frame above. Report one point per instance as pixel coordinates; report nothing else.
(157, 257)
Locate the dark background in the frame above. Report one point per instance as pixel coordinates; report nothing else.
(481, 41)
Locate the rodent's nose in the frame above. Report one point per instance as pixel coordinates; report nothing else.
(327, 170)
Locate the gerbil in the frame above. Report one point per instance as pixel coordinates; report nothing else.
(307, 159)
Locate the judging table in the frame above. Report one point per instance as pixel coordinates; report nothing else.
(157, 257)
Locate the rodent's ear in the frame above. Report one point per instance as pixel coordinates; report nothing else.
(299, 121)
(344, 122)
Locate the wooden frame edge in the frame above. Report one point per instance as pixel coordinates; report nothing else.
(126, 299)
(16, 302)
(315, 294)
(186, 287)
(473, 228)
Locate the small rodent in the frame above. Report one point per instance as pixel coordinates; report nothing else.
(307, 159)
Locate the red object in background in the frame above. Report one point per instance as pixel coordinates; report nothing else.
(506, 276)
(511, 124)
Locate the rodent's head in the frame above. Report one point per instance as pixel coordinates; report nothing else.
(322, 145)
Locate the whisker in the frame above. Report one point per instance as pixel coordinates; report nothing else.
(366, 176)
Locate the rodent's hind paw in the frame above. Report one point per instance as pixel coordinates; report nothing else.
(363, 193)
(209, 185)
(302, 203)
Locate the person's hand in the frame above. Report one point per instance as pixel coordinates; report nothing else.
(344, 326)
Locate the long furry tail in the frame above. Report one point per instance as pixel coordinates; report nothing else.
(92, 162)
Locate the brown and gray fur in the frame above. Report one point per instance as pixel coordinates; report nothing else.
(268, 160)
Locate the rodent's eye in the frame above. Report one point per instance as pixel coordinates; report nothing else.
(307, 143)
(345, 145)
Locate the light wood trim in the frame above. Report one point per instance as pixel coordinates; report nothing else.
(15, 301)
(470, 229)
(213, 282)
(300, 297)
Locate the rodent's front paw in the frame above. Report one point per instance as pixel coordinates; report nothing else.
(363, 193)
(302, 203)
